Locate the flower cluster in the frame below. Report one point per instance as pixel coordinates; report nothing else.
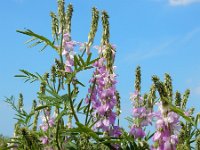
(167, 129)
(142, 117)
(47, 121)
(103, 98)
(44, 140)
(68, 51)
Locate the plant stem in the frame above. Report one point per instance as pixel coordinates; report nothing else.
(57, 130)
(88, 109)
(71, 103)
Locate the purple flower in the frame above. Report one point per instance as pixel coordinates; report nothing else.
(156, 136)
(167, 126)
(44, 140)
(137, 132)
(160, 124)
(141, 116)
(102, 95)
(68, 69)
(51, 122)
(115, 132)
(44, 127)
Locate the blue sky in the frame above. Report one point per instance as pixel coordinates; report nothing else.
(159, 35)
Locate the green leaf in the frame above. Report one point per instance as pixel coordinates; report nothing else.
(88, 59)
(39, 37)
(41, 107)
(78, 82)
(76, 60)
(87, 131)
(27, 76)
(79, 105)
(179, 111)
(64, 112)
(93, 61)
(81, 60)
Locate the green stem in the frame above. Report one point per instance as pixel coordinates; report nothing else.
(58, 88)
(83, 52)
(71, 103)
(61, 58)
(57, 131)
(94, 123)
(88, 109)
(60, 51)
(90, 117)
(118, 121)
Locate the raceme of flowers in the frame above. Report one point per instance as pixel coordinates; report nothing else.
(103, 97)
(167, 129)
(142, 116)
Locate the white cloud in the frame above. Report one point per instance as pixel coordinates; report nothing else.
(164, 48)
(189, 36)
(196, 90)
(144, 53)
(182, 2)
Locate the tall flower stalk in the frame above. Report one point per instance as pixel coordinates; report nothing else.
(103, 95)
(142, 116)
(167, 124)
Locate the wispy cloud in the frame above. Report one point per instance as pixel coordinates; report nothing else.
(182, 2)
(190, 35)
(196, 90)
(164, 48)
(149, 53)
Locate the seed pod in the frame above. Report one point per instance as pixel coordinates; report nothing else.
(20, 102)
(36, 115)
(185, 98)
(151, 97)
(161, 90)
(94, 25)
(61, 13)
(178, 99)
(138, 79)
(68, 18)
(106, 30)
(42, 87)
(54, 24)
(46, 76)
(168, 86)
(118, 106)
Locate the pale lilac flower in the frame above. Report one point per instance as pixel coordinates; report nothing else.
(44, 127)
(51, 122)
(44, 140)
(68, 69)
(68, 51)
(115, 131)
(103, 96)
(134, 95)
(66, 37)
(156, 136)
(69, 125)
(47, 121)
(82, 46)
(168, 127)
(137, 132)
(141, 116)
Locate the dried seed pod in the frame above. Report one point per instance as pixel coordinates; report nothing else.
(106, 30)
(94, 25)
